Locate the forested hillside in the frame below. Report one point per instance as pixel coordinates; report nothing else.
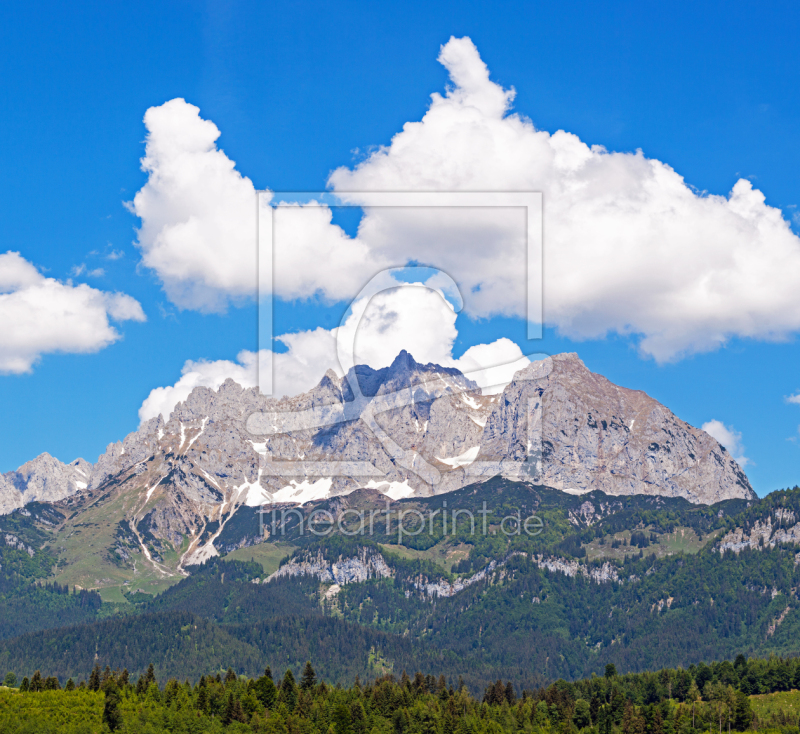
(637, 582)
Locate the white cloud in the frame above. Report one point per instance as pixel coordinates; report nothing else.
(729, 438)
(78, 270)
(198, 213)
(629, 246)
(793, 399)
(43, 315)
(199, 221)
(409, 317)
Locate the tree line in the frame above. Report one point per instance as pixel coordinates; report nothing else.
(702, 698)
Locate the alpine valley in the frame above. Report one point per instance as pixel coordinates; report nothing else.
(232, 534)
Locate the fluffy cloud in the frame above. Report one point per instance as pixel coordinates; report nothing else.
(199, 224)
(630, 247)
(729, 438)
(43, 315)
(793, 399)
(410, 317)
(198, 213)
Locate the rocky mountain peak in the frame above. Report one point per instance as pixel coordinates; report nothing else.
(403, 373)
(46, 479)
(592, 434)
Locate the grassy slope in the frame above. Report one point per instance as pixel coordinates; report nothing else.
(683, 540)
(767, 705)
(444, 554)
(269, 555)
(83, 544)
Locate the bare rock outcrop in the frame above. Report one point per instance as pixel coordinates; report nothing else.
(366, 564)
(10, 496)
(778, 528)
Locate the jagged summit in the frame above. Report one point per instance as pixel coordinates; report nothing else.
(404, 372)
(597, 435)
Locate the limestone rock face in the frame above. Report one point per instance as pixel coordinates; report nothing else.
(10, 496)
(779, 527)
(570, 429)
(45, 479)
(343, 570)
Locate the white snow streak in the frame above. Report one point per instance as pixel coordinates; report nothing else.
(393, 490)
(304, 491)
(463, 459)
(202, 428)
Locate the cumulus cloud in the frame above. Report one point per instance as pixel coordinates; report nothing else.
(629, 246)
(411, 317)
(729, 438)
(199, 224)
(42, 315)
(198, 213)
(793, 399)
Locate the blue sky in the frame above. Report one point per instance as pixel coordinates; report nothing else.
(297, 91)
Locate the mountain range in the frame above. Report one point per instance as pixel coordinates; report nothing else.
(201, 540)
(165, 494)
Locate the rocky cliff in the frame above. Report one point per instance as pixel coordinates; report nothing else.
(573, 430)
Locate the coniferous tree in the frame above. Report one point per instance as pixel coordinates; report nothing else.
(202, 699)
(227, 715)
(309, 679)
(288, 692)
(238, 712)
(743, 712)
(358, 717)
(342, 719)
(111, 713)
(94, 679)
(36, 682)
